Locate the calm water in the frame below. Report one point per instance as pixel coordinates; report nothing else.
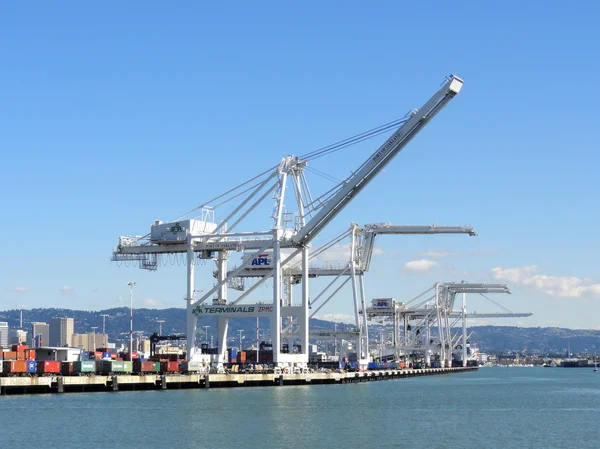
(492, 408)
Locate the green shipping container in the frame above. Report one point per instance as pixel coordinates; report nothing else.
(117, 367)
(156, 367)
(87, 366)
(127, 367)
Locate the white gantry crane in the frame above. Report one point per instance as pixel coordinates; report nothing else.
(361, 250)
(199, 236)
(435, 308)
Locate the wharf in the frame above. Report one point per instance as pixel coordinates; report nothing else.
(132, 382)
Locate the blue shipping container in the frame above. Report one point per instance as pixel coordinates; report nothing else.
(372, 365)
(31, 366)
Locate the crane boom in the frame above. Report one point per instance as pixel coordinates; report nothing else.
(377, 161)
(372, 230)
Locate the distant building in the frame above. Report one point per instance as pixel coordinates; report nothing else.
(40, 334)
(17, 337)
(89, 342)
(3, 334)
(144, 346)
(61, 330)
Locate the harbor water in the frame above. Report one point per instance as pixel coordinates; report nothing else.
(490, 408)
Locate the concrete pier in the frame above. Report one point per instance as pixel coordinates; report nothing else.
(97, 383)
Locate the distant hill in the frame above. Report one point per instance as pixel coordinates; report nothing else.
(492, 339)
(145, 320)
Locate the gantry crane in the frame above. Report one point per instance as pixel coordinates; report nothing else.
(208, 239)
(362, 245)
(435, 307)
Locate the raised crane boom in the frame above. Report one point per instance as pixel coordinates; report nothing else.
(377, 161)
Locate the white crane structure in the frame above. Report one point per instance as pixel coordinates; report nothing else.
(360, 254)
(199, 236)
(414, 320)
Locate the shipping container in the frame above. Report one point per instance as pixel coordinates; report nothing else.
(66, 368)
(142, 367)
(127, 367)
(129, 357)
(242, 357)
(85, 366)
(15, 366)
(118, 367)
(191, 367)
(48, 367)
(31, 366)
(169, 367)
(19, 348)
(10, 355)
(30, 354)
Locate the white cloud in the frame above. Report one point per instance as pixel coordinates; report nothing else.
(421, 265)
(66, 290)
(439, 254)
(151, 302)
(18, 289)
(557, 286)
(339, 317)
(337, 253)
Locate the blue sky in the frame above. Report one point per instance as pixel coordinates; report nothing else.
(116, 115)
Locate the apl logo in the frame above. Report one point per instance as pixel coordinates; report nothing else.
(382, 304)
(261, 260)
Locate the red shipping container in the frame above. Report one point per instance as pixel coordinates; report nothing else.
(30, 354)
(242, 356)
(48, 366)
(10, 355)
(17, 366)
(113, 356)
(142, 367)
(98, 355)
(19, 347)
(169, 367)
(20, 355)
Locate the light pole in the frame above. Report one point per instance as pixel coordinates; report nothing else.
(206, 333)
(20, 336)
(257, 331)
(104, 315)
(131, 285)
(94, 338)
(160, 326)
(241, 331)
